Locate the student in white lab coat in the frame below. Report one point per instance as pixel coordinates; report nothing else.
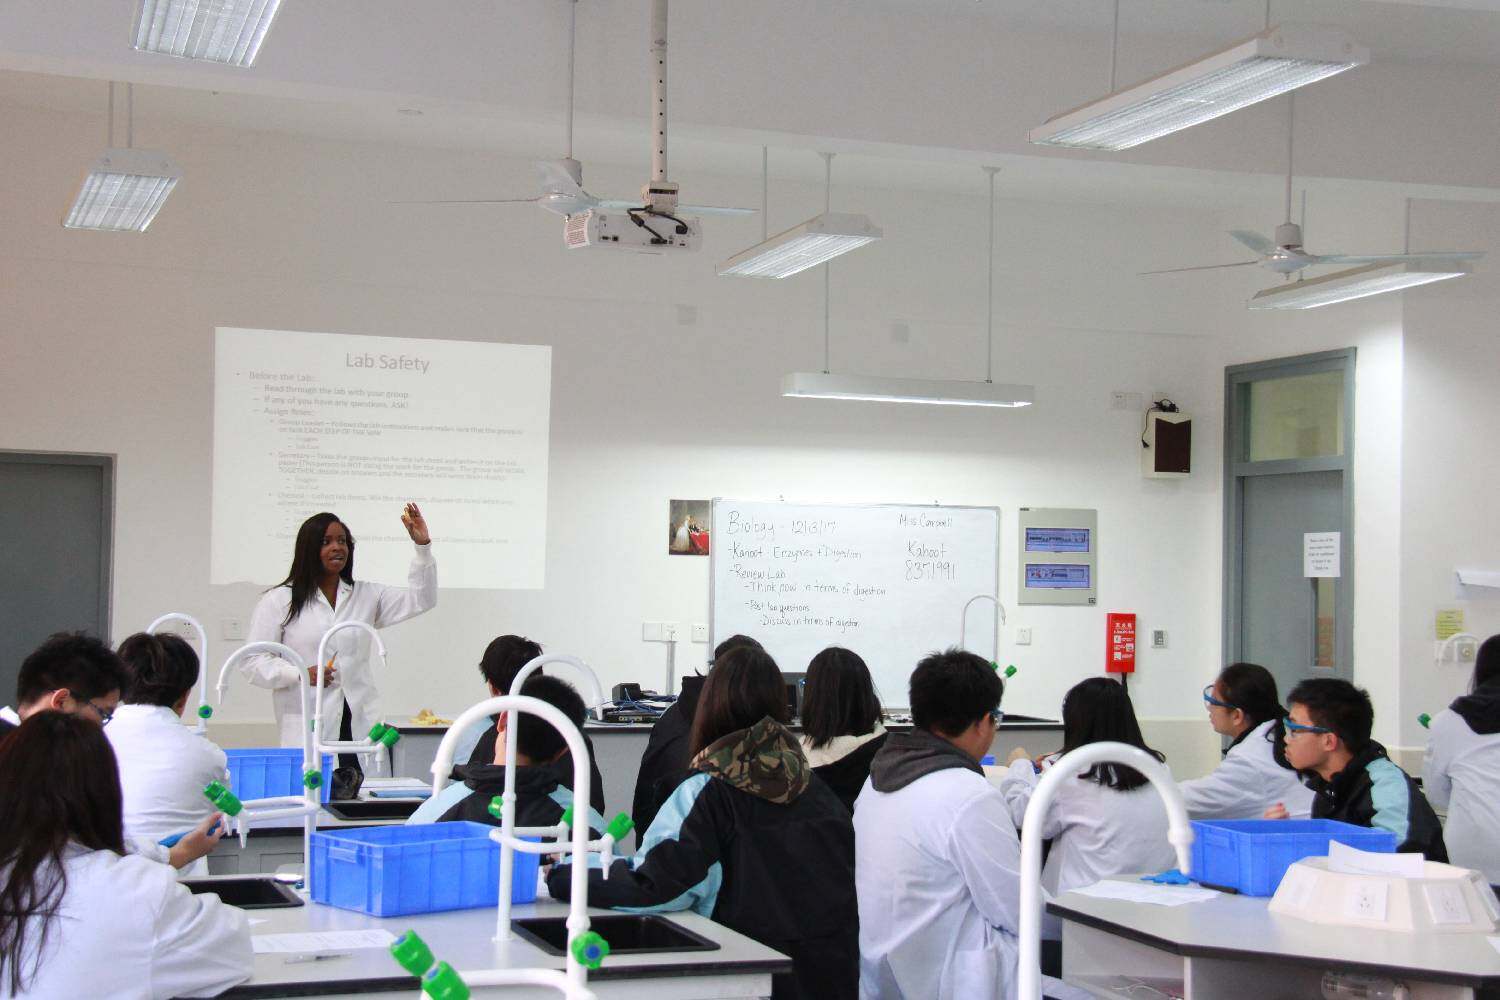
(1107, 820)
(1462, 767)
(78, 675)
(78, 915)
(163, 764)
(319, 592)
(936, 857)
(1254, 776)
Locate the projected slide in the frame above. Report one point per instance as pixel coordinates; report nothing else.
(307, 422)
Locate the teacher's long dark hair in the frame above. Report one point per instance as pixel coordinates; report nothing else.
(58, 786)
(307, 562)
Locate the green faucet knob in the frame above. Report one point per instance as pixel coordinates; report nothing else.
(1425, 720)
(205, 711)
(590, 949)
(412, 953)
(312, 778)
(620, 826)
(444, 983)
(496, 808)
(223, 798)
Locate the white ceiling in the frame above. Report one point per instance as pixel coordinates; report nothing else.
(916, 93)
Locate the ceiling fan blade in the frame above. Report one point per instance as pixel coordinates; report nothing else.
(467, 201)
(1393, 258)
(1255, 241)
(714, 210)
(1205, 267)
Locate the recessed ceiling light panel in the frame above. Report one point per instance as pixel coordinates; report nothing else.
(1357, 283)
(1263, 66)
(822, 385)
(222, 31)
(123, 191)
(814, 242)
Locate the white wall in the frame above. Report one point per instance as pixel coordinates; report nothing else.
(1450, 475)
(108, 348)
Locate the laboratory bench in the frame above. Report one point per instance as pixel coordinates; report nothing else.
(737, 967)
(618, 748)
(270, 847)
(1233, 946)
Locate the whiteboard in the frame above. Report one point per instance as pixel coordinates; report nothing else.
(887, 581)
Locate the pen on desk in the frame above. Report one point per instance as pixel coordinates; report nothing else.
(299, 959)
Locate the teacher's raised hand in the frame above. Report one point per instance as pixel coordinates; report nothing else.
(416, 524)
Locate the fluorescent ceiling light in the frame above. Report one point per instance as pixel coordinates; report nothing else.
(1273, 62)
(123, 191)
(223, 31)
(1357, 283)
(815, 241)
(821, 385)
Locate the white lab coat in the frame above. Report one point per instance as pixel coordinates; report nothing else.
(373, 603)
(936, 868)
(163, 768)
(1096, 831)
(1462, 772)
(1247, 782)
(126, 929)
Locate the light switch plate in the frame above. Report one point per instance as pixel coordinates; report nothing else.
(1023, 637)
(1158, 638)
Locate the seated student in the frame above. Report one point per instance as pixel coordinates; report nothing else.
(937, 859)
(76, 674)
(544, 767)
(753, 839)
(1462, 767)
(163, 764)
(482, 745)
(1328, 738)
(841, 730)
(665, 761)
(1254, 775)
(1105, 821)
(79, 917)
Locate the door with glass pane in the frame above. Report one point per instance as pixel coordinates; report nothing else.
(1288, 473)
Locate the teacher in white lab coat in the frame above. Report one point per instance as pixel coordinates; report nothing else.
(319, 592)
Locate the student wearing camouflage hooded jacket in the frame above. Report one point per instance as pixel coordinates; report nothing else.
(751, 839)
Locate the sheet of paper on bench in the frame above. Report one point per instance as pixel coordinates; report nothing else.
(315, 942)
(1348, 860)
(1140, 892)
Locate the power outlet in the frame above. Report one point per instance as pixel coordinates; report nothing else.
(231, 628)
(651, 631)
(700, 633)
(1023, 637)
(1121, 400)
(670, 631)
(1158, 638)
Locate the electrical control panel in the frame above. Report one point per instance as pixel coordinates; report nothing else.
(1058, 556)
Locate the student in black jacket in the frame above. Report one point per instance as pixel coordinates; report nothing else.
(753, 839)
(544, 767)
(841, 730)
(1328, 738)
(665, 762)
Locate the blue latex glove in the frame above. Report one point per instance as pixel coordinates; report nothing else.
(1169, 877)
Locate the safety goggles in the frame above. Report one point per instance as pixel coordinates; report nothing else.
(1297, 729)
(1208, 697)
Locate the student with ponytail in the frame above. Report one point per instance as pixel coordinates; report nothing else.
(1254, 776)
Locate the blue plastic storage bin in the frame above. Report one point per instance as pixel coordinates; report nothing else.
(389, 871)
(1251, 855)
(268, 772)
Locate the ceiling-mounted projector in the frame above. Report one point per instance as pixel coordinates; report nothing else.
(638, 230)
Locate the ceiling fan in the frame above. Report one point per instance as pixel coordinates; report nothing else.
(560, 181)
(1286, 255)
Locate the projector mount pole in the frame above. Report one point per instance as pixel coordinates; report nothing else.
(989, 327)
(572, 45)
(827, 204)
(660, 195)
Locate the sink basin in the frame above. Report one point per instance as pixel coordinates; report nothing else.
(627, 934)
(373, 808)
(248, 893)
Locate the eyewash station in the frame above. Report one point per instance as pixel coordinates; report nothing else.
(404, 911)
(1280, 919)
